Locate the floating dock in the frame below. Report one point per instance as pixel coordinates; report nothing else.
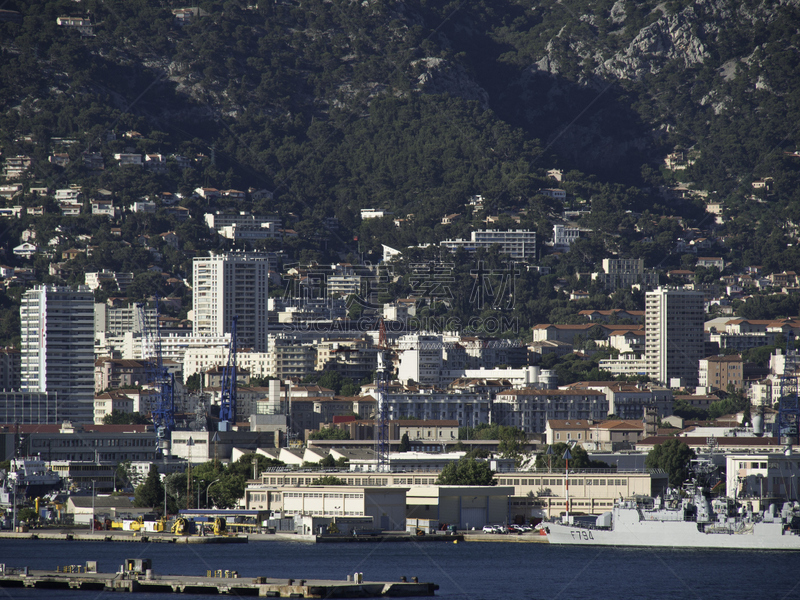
(217, 582)
(123, 536)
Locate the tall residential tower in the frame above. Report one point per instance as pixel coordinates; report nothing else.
(674, 337)
(57, 326)
(228, 285)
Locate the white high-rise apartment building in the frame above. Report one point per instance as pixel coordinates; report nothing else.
(229, 285)
(674, 338)
(57, 350)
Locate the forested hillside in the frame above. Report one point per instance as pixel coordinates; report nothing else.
(414, 106)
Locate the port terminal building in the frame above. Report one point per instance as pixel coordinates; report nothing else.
(527, 495)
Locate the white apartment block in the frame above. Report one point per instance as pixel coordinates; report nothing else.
(624, 366)
(132, 345)
(250, 232)
(519, 243)
(121, 279)
(121, 320)
(229, 285)
(201, 359)
(744, 334)
(127, 159)
(524, 377)
(624, 273)
(144, 206)
(674, 333)
(57, 325)
(374, 213)
(420, 359)
(107, 402)
(784, 364)
(563, 236)
(16, 166)
(468, 408)
(531, 409)
(288, 358)
(70, 194)
(220, 219)
(355, 359)
(629, 400)
(343, 285)
(555, 193)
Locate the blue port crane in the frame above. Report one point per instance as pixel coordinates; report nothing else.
(788, 421)
(162, 408)
(227, 404)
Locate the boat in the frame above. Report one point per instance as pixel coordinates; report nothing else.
(685, 518)
(31, 477)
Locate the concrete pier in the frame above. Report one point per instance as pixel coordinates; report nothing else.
(241, 586)
(83, 535)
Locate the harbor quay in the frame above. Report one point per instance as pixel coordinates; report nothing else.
(166, 538)
(137, 576)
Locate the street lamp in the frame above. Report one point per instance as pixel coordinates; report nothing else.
(93, 482)
(208, 487)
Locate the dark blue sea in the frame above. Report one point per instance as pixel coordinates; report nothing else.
(474, 571)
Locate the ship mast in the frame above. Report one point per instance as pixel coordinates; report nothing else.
(567, 456)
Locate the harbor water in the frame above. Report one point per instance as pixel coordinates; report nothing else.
(469, 571)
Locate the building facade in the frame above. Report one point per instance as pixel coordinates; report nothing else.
(531, 409)
(232, 285)
(57, 325)
(519, 243)
(624, 273)
(9, 369)
(674, 337)
(719, 372)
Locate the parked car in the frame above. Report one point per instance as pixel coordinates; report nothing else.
(488, 529)
(499, 529)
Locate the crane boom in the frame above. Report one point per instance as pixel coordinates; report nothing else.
(162, 410)
(227, 405)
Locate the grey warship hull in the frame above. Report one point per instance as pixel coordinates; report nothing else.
(677, 534)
